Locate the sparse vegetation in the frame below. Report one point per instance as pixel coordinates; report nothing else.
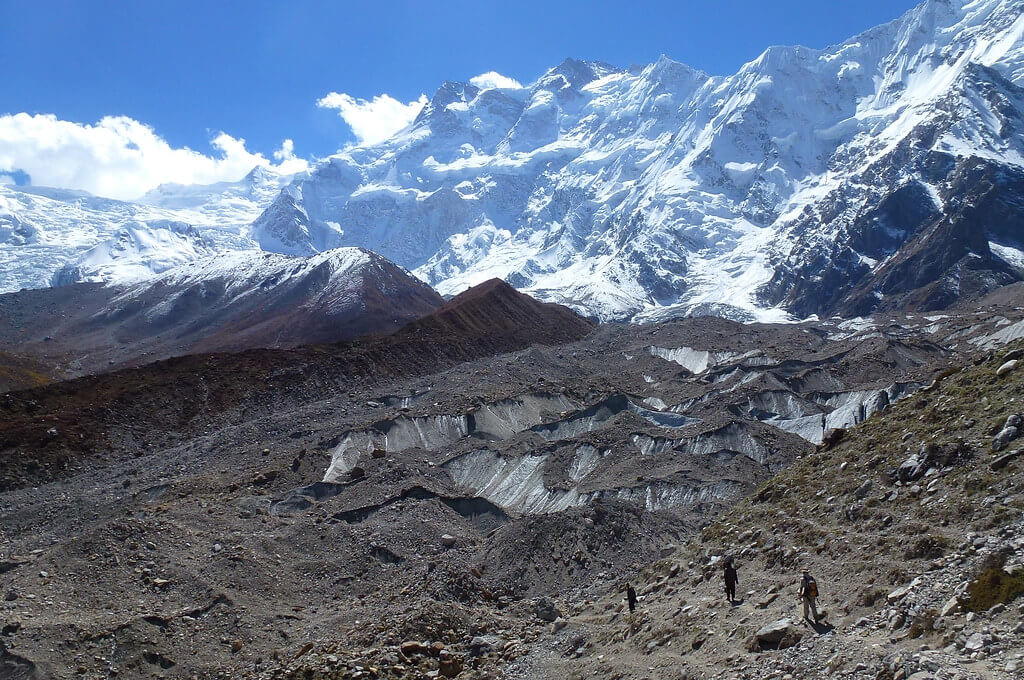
(993, 586)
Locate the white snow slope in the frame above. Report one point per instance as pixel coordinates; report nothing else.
(658, 191)
(53, 236)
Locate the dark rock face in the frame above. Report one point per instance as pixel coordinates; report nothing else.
(913, 232)
(269, 300)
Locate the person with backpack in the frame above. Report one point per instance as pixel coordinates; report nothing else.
(808, 594)
(631, 597)
(731, 579)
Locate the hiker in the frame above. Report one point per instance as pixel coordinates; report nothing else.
(730, 581)
(809, 593)
(631, 598)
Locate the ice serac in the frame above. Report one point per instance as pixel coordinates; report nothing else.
(809, 182)
(136, 251)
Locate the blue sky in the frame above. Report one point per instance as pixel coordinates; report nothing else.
(255, 70)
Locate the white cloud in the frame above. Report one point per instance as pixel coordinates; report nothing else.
(374, 120)
(119, 157)
(286, 152)
(491, 79)
(7, 179)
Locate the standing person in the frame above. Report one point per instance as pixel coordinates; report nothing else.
(731, 579)
(808, 594)
(631, 598)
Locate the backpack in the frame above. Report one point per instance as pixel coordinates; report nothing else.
(811, 587)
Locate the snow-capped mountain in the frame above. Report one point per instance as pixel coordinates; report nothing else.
(795, 186)
(60, 236)
(227, 301)
(880, 173)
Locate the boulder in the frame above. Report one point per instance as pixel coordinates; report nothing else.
(912, 469)
(1007, 367)
(1005, 459)
(413, 648)
(976, 643)
(778, 635)
(482, 645)
(1005, 436)
(545, 610)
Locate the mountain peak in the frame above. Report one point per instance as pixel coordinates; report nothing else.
(493, 310)
(261, 174)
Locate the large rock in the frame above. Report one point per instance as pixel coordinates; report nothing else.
(778, 635)
(863, 490)
(976, 643)
(545, 610)
(912, 468)
(1005, 436)
(1005, 459)
(1007, 367)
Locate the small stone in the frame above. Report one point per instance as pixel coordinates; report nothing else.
(558, 624)
(450, 667)
(863, 490)
(411, 648)
(217, 547)
(448, 541)
(236, 646)
(976, 643)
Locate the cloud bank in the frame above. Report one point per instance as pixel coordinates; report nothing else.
(119, 157)
(493, 79)
(373, 120)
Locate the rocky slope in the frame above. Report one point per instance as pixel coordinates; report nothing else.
(123, 413)
(913, 525)
(230, 301)
(18, 372)
(417, 502)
